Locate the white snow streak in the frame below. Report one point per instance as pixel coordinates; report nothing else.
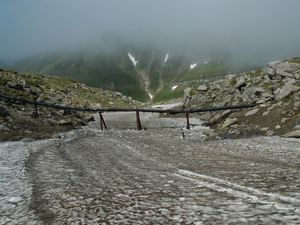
(151, 96)
(174, 87)
(166, 58)
(193, 66)
(132, 59)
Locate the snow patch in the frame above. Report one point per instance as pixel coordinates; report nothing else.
(205, 62)
(166, 58)
(192, 66)
(132, 59)
(174, 87)
(151, 96)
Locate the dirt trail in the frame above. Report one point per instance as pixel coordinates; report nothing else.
(154, 176)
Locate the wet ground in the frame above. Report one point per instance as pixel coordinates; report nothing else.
(154, 176)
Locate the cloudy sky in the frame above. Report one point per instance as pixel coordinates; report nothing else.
(259, 27)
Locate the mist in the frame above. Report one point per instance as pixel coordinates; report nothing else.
(247, 30)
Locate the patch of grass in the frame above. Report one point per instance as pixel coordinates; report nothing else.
(266, 85)
(166, 93)
(233, 81)
(293, 60)
(206, 70)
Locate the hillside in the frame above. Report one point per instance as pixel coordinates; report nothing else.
(275, 90)
(142, 73)
(19, 120)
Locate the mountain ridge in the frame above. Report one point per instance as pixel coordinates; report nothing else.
(137, 72)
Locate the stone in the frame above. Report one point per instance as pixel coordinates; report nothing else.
(240, 82)
(64, 122)
(202, 88)
(229, 121)
(2, 127)
(3, 112)
(286, 90)
(252, 112)
(293, 134)
(187, 92)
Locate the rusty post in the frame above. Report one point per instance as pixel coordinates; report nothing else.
(187, 121)
(102, 121)
(138, 121)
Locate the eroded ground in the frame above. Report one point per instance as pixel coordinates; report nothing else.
(154, 176)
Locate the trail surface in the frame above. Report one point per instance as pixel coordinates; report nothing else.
(153, 176)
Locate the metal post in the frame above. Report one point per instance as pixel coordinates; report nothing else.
(138, 121)
(102, 121)
(187, 121)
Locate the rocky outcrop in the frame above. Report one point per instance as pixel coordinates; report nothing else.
(275, 90)
(19, 120)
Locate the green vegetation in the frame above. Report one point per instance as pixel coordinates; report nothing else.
(206, 70)
(233, 81)
(293, 60)
(166, 93)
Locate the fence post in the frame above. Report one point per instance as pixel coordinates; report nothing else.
(187, 121)
(102, 121)
(36, 111)
(138, 121)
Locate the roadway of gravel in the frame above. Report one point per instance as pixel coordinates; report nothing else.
(154, 176)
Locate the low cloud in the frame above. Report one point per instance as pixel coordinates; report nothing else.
(267, 29)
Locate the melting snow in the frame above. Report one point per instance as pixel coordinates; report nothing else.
(132, 59)
(151, 96)
(193, 65)
(174, 87)
(166, 58)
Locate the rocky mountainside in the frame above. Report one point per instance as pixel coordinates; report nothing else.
(275, 90)
(19, 120)
(145, 73)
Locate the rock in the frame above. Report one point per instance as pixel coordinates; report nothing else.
(229, 121)
(286, 90)
(270, 72)
(202, 88)
(15, 200)
(252, 112)
(240, 83)
(3, 112)
(2, 127)
(187, 92)
(64, 122)
(15, 85)
(293, 134)
(278, 127)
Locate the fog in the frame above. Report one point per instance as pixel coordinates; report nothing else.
(248, 29)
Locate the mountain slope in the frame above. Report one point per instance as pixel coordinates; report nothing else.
(137, 72)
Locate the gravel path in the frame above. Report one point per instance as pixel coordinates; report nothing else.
(154, 176)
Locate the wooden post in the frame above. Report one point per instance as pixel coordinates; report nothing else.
(187, 121)
(36, 111)
(102, 121)
(138, 121)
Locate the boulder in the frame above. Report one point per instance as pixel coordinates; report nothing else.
(286, 90)
(293, 134)
(240, 83)
(202, 88)
(187, 92)
(229, 121)
(252, 112)
(64, 122)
